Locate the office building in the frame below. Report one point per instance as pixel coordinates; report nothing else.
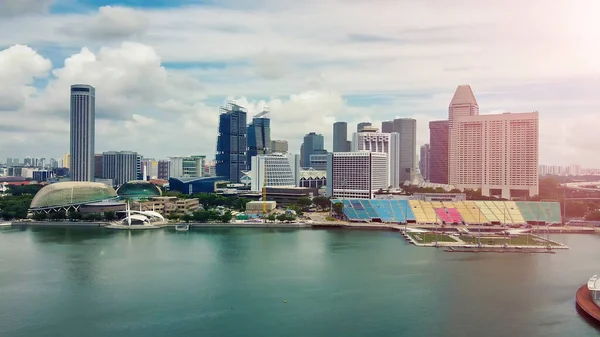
(362, 125)
(164, 170)
(149, 169)
(356, 174)
(387, 127)
(274, 170)
(438, 152)
(424, 162)
(313, 142)
(98, 173)
(120, 166)
(259, 135)
(388, 143)
(312, 178)
(340, 137)
(188, 167)
(66, 160)
(318, 160)
(407, 129)
(279, 146)
(53, 163)
(496, 153)
(83, 116)
(41, 175)
(231, 157)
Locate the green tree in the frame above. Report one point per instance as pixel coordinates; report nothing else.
(282, 217)
(173, 216)
(187, 218)
(322, 202)
(338, 208)
(226, 217)
(74, 215)
(272, 217)
(109, 215)
(304, 202)
(40, 216)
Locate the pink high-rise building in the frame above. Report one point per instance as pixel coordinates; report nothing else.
(497, 153)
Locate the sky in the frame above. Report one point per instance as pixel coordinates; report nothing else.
(162, 69)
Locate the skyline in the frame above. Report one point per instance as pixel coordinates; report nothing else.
(159, 89)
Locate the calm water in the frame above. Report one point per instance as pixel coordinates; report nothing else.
(233, 282)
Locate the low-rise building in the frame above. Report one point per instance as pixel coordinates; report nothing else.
(258, 207)
(168, 205)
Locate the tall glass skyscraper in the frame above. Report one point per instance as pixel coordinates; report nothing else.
(259, 136)
(83, 125)
(340, 137)
(231, 157)
(312, 143)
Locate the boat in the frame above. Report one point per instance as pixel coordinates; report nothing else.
(5, 224)
(182, 228)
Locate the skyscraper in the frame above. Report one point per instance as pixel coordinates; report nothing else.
(83, 116)
(98, 173)
(438, 152)
(279, 146)
(496, 153)
(388, 143)
(312, 143)
(424, 161)
(231, 157)
(360, 126)
(120, 166)
(407, 128)
(387, 126)
(356, 174)
(259, 136)
(340, 137)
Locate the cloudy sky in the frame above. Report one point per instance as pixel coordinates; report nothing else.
(162, 68)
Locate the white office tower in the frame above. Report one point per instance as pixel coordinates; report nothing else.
(83, 126)
(274, 170)
(356, 174)
(388, 143)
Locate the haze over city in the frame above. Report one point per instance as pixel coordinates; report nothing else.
(161, 71)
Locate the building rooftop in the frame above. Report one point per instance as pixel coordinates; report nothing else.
(463, 95)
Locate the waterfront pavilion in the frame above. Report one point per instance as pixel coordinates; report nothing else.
(594, 288)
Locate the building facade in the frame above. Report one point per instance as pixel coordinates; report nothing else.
(279, 146)
(424, 161)
(313, 142)
(259, 136)
(164, 169)
(318, 161)
(340, 137)
(388, 143)
(120, 166)
(356, 174)
(149, 169)
(496, 153)
(387, 126)
(231, 158)
(83, 126)
(274, 170)
(190, 167)
(438, 152)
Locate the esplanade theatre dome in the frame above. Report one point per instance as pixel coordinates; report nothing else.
(71, 193)
(138, 189)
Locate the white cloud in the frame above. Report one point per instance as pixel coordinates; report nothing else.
(11, 8)
(109, 23)
(19, 66)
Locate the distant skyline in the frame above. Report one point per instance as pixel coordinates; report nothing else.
(162, 70)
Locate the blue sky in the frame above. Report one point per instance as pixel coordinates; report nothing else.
(162, 68)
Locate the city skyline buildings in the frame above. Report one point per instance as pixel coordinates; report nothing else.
(340, 137)
(312, 144)
(495, 153)
(231, 158)
(82, 132)
(259, 136)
